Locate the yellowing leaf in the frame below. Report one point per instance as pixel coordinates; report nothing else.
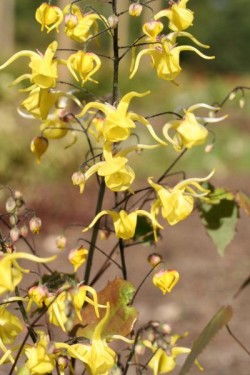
(119, 294)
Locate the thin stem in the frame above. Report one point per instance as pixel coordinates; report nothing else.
(116, 60)
(94, 234)
(123, 260)
(31, 331)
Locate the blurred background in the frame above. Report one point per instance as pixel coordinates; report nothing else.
(222, 24)
(208, 280)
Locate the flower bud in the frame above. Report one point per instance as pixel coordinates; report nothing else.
(78, 179)
(232, 96)
(154, 259)
(62, 362)
(70, 21)
(135, 10)
(13, 220)
(10, 205)
(77, 257)
(39, 146)
(139, 349)
(61, 242)
(15, 234)
(242, 102)
(166, 328)
(104, 234)
(35, 225)
(24, 231)
(113, 21)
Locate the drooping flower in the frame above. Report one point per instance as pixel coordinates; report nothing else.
(39, 146)
(10, 326)
(50, 17)
(83, 65)
(10, 271)
(164, 361)
(165, 55)
(98, 357)
(180, 18)
(43, 67)
(77, 257)
(165, 280)
(119, 121)
(41, 359)
(178, 202)
(80, 295)
(124, 223)
(189, 131)
(37, 294)
(79, 26)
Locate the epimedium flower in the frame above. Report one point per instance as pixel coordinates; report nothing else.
(80, 295)
(165, 55)
(12, 273)
(37, 294)
(189, 131)
(43, 67)
(180, 18)
(178, 202)
(80, 26)
(164, 361)
(10, 326)
(77, 257)
(83, 65)
(119, 121)
(125, 223)
(49, 16)
(165, 280)
(41, 359)
(97, 356)
(40, 102)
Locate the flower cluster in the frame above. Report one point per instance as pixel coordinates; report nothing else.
(111, 130)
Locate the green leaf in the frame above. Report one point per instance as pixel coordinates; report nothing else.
(119, 294)
(220, 219)
(144, 231)
(219, 320)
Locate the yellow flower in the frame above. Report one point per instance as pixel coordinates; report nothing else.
(152, 29)
(117, 175)
(77, 257)
(124, 223)
(177, 203)
(40, 102)
(41, 359)
(179, 17)
(10, 271)
(165, 280)
(163, 361)
(10, 326)
(43, 67)
(78, 26)
(83, 65)
(189, 131)
(165, 55)
(119, 122)
(81, 295)
(37, 294)
(50, 17)
(98, 357)
(57, 308)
